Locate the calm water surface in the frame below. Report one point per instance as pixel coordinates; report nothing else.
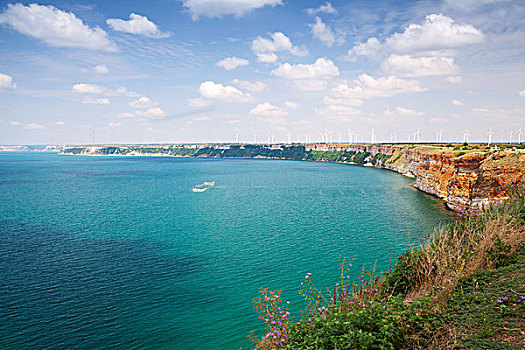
(117, 252)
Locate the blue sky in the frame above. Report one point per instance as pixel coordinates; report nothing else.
(206, 70)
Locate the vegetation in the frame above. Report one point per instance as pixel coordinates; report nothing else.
(462, 288)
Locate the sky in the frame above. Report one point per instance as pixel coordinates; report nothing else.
(194, 71)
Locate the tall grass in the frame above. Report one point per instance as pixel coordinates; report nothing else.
(401, 308)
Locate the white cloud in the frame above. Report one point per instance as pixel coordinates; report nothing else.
(342, 101)
(60, 123)
(124, 91)
(322, 32)
(327, 8)
(101, 69)
(114, 124)
(198, 102)
(469, 5)
(408, 66)
(34, 126)
(268, 110)
(55, 27)
(522, 93)
(142, 102)
(214, 91)
(370, 48)
(456, 102)
(455, 79)
(98, 101)
(337, 111)
(14, 123)
(6, 82)
(155, 112)
(310, 84)
(126, 115)
(219, 8)
(87, 89)
(248, 85)
(322, 68)
(480, 110)
(367, 87)
(202, 119)
(267, 57)
(437, 32)
(404, 112)
(290, 105)
(230, 63)
(265, 48)
(138, 25)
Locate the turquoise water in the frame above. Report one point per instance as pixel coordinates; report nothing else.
(117, 252)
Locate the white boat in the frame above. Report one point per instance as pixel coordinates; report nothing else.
(209, 183)
(199, 189)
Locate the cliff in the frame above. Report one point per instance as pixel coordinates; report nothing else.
(463, 176)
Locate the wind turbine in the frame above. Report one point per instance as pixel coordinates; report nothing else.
(519, 136)
(465, 136)
(236, 137)
(510, 136)
(417, 134)
(439, 136)
(339, 137)
(307, 137)
(350, 134)
(289, 138)
(393, 137)
(255, 139)
(490, 133)
(273, 136)
(372, 136)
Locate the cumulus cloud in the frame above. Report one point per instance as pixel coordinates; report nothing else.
(322, 32)
(343, 101)
(98, 101)
(367, 87)
(456, 102)
(256, 86)
(404, 112)
(55, 27)
(14, 123)
(370, 48)
(342, 112)
(137, 25)
(6, 82)
(322, 68)
(290, 105)
(265, 48)
(126, 115)
(437, 32)
(214, 91)
(326, 8)
(198, 102)
(60, 123)
(455, 79)
(522, 93)
(267, 57)
(268, 110)
(101, 69)
(219, 8)
(310, 84)
(230, 63)
(142, 102)
(34, 126)
(408, 66)
(155, 112)
(87, 89)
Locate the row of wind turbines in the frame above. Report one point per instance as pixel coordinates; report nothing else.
(353, 137)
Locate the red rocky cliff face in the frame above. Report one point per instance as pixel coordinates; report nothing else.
(469, 181)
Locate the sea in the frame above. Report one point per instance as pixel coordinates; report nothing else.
(119, 253)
